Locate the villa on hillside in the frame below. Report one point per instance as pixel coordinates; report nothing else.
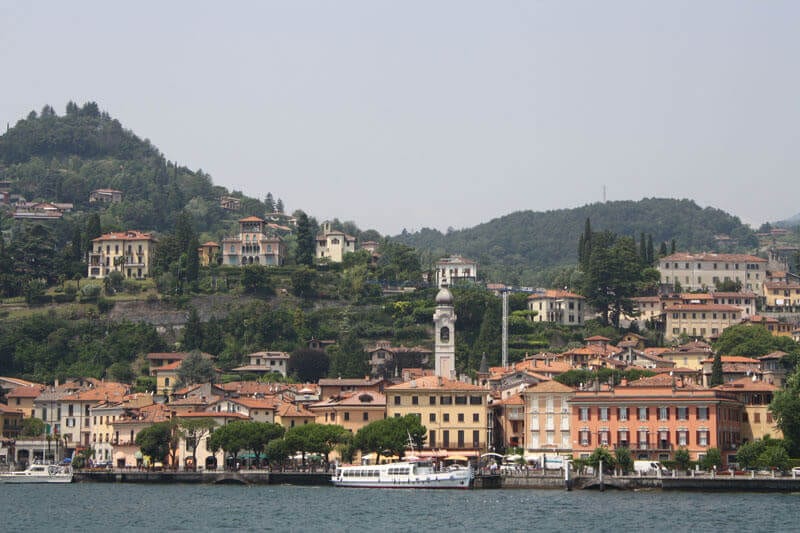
(253, 245)
(333, 244)
(129, 252)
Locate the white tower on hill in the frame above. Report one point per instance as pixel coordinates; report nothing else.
(444, 320)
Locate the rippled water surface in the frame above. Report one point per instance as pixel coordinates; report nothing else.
(139, 507)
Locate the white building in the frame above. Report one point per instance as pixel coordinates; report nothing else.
(334, 244)
(451, 270)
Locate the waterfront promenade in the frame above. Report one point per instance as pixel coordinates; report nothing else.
(699, 481)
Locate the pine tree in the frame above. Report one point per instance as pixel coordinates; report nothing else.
(650, 256)
(662, 251)
(672, 247)
(269, 201)
(279, 206)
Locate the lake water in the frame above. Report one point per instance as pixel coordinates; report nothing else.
(140, 507)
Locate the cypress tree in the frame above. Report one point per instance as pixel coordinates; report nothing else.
(304, 255)
(716, 371)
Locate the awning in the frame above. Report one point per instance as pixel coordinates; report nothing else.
(457, 458)
(491, 454)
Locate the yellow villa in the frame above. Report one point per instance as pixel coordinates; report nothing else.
(453, 412)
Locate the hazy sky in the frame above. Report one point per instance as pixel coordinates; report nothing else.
(432, 113)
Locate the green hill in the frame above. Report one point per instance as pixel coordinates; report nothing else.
(47, 157)
(526, 247)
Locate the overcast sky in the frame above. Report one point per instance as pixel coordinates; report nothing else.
(435, 113)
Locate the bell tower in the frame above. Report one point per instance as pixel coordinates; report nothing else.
(444, 320)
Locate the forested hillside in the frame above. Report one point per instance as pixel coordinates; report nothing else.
(525, 247)
(47, 157)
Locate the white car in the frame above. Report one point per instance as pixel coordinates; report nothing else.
(796, 470)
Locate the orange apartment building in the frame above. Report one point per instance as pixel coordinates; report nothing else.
(654, 417)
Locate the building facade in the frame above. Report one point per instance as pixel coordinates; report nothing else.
(560, 307)
(703, 271)
(653, 417)
(128, 252)
(333, 244)
(699, 321)
(253, 245)
(453, 412)
(454, 269)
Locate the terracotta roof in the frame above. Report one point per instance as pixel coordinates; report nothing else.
(554, 293)
(434, 383)
(6, 410)
(287, 409)
(733, 258)
(210, 244)
(26, 392)
(747, 384)
(251, 218)
(515, 399)
(172, 366)
(132, 235)
(256, 403)
(733, 359)
(549, 386)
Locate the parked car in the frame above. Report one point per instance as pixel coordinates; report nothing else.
(796, 470)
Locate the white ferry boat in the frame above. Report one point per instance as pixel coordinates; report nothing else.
(403, 475)
(37, 473)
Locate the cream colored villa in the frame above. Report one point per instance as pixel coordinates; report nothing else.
(128, 252)
(704, 270)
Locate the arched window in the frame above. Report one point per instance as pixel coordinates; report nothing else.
(444, 334)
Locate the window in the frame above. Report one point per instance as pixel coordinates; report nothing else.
(446, 400)
(583, 414)
(604, 437)
(365, 416)
(476, 439)
(446, 417)
(445, 438)
(432, 417)
(346, 416)
(461, 400)
(432, 400)
(415, 400)
(702, 413)
(702, 437)
(683, 413)
(642, 440)
(460, 417)
(663, 413)
(432, 438)
(622, 413)
(476, 417)
(683, 437)
(397, 400)
(643, 413)
(604, 413)
(584, 437)
(476, 400)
